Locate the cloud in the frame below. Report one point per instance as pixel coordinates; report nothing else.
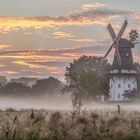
(137, 15)
(2, 65)
(91, 6)
(70, 36)
(84, 39)
(90, 17)
(10, 72)
(62, 35)
(3, 46)
(43, 62)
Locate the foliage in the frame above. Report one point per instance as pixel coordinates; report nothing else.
(15, 89)
(47, 86)
(50, 86)
(131, 94)
(137, 66)
(133, 35)
(3, 80)
(87, 77)
(134, 93)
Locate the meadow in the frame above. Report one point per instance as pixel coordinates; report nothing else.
(69, 125)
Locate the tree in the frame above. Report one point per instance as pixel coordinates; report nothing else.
(3, 80)
(50, 86)
(87, 78)
(133, 35)
(134, 93)
(13, 88)
(131, 94)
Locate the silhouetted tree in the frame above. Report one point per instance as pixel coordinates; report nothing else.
(14, 88)
(48, 86)
(133, 36)
(3, 80)
(87, 77)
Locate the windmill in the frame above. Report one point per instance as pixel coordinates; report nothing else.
(123, 72)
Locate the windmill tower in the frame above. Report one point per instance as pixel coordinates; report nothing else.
(123, 72)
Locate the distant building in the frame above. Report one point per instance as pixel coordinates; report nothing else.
(25, 81)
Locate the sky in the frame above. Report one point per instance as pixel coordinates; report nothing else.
(39, 38)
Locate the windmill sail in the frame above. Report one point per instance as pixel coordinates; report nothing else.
(116, 39)
(122, 30)
(113, 36)
(111, 31)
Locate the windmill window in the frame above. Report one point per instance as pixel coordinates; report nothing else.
(129, 86)
(119, 85)
(127, 54)
(119, 96)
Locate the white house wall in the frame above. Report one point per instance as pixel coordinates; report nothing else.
(119, 84)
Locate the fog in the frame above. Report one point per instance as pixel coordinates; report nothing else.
(49, 103)
(62, 103)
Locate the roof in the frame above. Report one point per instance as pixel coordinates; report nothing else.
(124, 43)
(126, 55)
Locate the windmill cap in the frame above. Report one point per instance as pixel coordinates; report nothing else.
(124, 43)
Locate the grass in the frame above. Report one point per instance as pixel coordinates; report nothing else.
(73, 125)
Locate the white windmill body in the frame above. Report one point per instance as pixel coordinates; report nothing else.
(123, 72)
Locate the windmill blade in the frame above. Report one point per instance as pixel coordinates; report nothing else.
(111, 32)
(108, 51)
(113, 36)
(110, 48)
(122, 30)
(116, 39)
(118, 56)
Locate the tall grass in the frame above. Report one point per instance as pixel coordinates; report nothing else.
(75, 125)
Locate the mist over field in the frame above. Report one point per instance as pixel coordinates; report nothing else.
(50, 103)
(63, 103)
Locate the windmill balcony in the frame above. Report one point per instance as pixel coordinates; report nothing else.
(123, 71)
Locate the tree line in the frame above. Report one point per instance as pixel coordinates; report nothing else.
(48, 86)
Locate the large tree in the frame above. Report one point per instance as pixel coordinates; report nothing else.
(87, 78)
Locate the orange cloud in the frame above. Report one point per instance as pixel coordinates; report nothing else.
(45, 62)
(34, 57)
(137, 16)
(41, 69)
(57, 72)
(10, 72)
(12, 23)
(62, 35)
(2, 65)
(36, 66)
(70, 36)
(3, 46)
(84, 18)
(84, 39)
